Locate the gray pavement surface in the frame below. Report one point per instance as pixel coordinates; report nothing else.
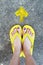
(8, 19)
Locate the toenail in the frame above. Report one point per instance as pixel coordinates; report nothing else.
(24, 30)
(18, 29)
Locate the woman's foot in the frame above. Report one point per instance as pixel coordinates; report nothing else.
(27, 44)
(17, 41)
(26, 48)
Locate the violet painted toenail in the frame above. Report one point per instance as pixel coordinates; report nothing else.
(24, 30)
(18, 29)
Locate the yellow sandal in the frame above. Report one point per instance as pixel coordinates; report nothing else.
(30, 35)
(13, 35)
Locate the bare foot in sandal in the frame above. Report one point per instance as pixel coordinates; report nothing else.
(17, 46)
(26, 48)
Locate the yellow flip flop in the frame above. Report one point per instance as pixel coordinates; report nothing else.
(13, 36)
(31, 36)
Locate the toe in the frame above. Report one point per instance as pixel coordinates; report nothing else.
(24, 30)
(18, 29)
(14, 31)
(29, 31)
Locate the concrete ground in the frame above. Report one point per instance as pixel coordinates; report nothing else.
(8, 19)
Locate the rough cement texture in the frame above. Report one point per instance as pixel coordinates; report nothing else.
(8, 19)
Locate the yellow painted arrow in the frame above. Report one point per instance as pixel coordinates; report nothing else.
(22, 13)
